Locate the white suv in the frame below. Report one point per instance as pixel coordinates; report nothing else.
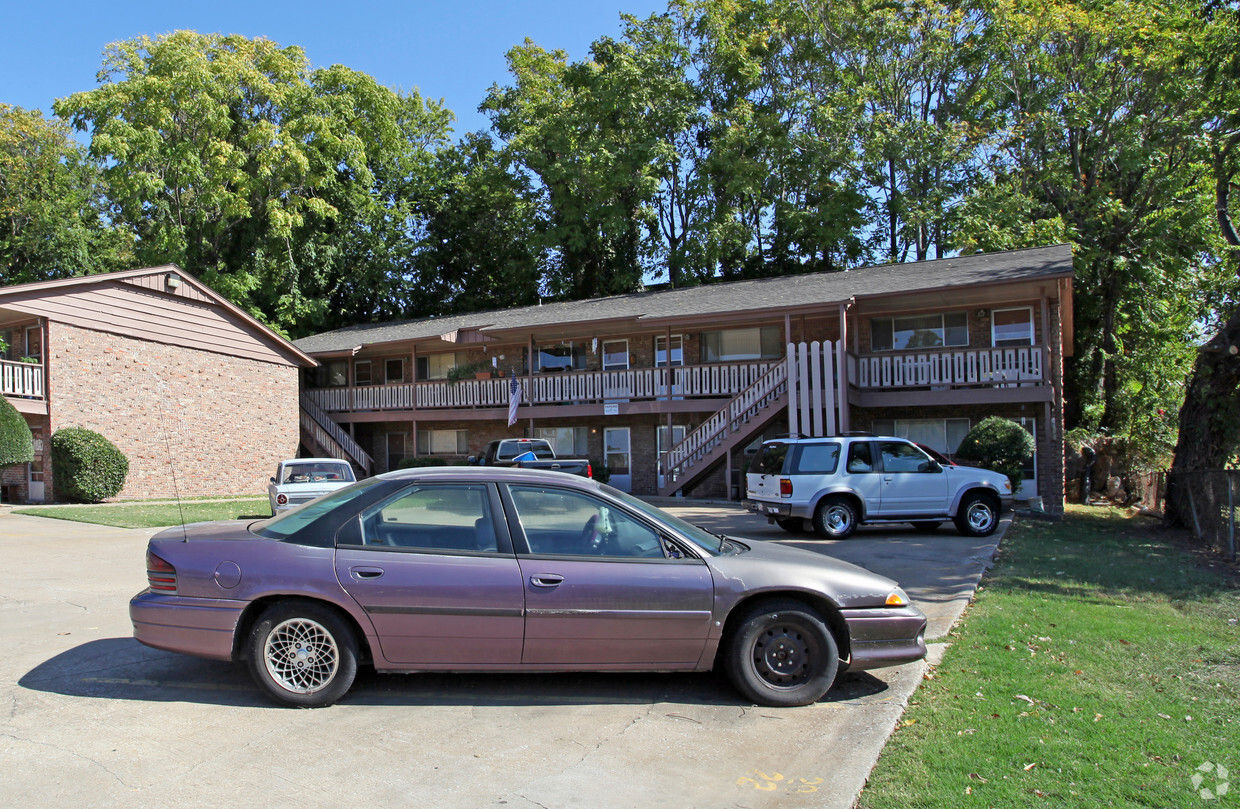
(840, 482)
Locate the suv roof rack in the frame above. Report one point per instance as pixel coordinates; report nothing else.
(857, 433)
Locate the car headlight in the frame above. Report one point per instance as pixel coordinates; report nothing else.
(898, 598)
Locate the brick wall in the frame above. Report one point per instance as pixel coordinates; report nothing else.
(222, 423)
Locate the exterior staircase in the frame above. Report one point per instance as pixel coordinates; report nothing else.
(322, 433)
(738, 420)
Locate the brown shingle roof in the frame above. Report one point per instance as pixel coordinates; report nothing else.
(782, 292)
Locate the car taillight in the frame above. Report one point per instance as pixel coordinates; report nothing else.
(159, 574)
(590, 471)
(785, 487)
(282, 499)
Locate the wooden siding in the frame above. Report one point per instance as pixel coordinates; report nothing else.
(157, 283)
(131, 311)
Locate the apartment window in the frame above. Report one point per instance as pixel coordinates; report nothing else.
(1012, 327)
(362, 372)
(335, 373)
(443, 442)
(9, 350)
(568, 442)
(615, 355)
(393, 371)
(660, 351)
(559, 358)
(435, 366)
(943, 435)
(741, 344)
(922, 331)
(34, 342)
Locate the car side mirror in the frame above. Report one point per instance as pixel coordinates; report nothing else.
(273, 480)
(472, 460)
(933, 466)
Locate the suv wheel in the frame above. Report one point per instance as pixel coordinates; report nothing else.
(835, 518)
(978, 515)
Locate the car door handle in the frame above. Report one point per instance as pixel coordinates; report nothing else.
(546, 580)
(361, 573)
(889, 478)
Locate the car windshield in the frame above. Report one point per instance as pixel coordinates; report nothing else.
(711, 543)
(317, 472)
(290, 522)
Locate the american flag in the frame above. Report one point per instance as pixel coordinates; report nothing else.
(514, 399)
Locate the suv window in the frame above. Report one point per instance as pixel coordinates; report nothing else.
(860, 458)
(769, 459)
(901, 457)
(816, 459)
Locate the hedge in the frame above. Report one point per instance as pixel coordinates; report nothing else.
(86, 467)
(1000, 445)
(16, 445)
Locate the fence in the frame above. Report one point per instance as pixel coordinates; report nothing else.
(1212, 497)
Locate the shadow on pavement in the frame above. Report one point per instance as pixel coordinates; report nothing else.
(121, 668)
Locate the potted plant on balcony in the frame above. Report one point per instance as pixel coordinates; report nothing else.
(476, 370)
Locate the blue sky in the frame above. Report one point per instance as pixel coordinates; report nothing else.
(450, 49)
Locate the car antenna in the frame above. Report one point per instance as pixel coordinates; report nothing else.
(176, 490)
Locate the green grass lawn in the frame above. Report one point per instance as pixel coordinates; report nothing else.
(1099, 666)
(152, 515)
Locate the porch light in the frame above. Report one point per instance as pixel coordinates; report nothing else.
(172, 280)
(982, 314)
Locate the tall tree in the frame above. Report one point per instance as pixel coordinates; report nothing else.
(226, 154)
(51, 204)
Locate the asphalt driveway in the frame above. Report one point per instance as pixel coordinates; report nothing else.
(94, 719)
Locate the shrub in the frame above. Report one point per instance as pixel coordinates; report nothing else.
(415, 461)
(16, 445)
(86, 467)
(602, 472)
(1000, 445)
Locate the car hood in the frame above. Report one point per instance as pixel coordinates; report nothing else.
(776, 566)
(995, 480)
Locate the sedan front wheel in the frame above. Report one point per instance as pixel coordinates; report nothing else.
(303, 654)
(782, 654)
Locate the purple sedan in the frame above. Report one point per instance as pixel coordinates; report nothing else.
(468, 569)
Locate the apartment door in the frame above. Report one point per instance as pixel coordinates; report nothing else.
(673, 359)
(617, 456)
(34, 469)
(668, 438)
(616, 385)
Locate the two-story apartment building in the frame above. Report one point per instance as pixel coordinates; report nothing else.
(669, 388)
(199, 396)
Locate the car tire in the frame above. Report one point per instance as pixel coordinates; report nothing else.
(303, 654)
(835, 518)
(782, 654)
(978, 515)
(926, 526)
(793, 525)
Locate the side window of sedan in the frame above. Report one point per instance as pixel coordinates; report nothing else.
(443, 517)
(565, 523)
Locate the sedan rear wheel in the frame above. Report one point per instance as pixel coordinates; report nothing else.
(782, 654)
(303, 654)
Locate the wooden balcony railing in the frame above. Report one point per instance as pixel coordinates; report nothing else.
(962, 367)
(634, 384)
(22, 379)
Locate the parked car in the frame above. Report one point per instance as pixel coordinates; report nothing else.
(301, 480)
(530, 453)
(468, 569)
(841, 482)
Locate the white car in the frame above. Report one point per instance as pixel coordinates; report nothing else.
(301, 480)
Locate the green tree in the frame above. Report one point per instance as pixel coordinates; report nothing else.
(232, 158)
(51, 205)
(16, 443)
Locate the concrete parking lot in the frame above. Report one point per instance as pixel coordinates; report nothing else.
(92, 718)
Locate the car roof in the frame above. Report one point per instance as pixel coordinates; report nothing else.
(314, 460)
(488, 473)
(866, 437)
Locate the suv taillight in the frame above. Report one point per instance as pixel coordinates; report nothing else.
(160, 575)
(785, 487)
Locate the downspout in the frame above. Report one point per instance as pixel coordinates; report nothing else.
(841, 352)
